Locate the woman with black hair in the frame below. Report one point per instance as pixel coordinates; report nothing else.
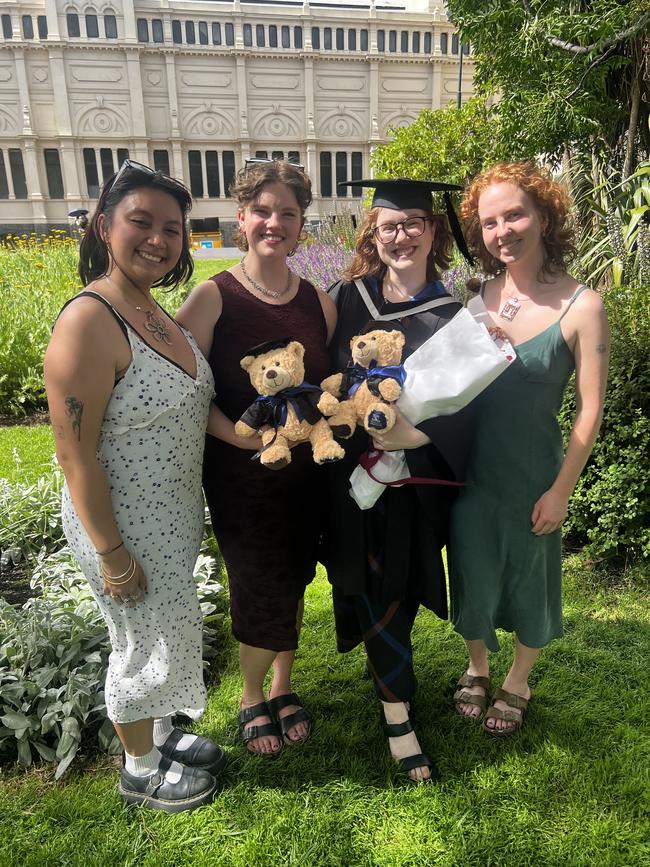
(129, 393)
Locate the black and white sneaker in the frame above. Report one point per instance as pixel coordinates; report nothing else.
(202, 753)
(195, 788)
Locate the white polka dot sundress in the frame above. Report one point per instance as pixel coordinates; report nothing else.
(151, 448)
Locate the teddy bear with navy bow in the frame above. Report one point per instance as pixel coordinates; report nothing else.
(371, 383)
(288, 409)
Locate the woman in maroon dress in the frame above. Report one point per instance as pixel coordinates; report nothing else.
(267, 523)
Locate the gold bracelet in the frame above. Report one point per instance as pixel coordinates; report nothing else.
(115, 579)
(110, 551)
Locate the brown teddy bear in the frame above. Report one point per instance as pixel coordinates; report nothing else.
(292, 408)
(371, 382)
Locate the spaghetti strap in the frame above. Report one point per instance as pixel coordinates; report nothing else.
(581, 288)
(89, 294)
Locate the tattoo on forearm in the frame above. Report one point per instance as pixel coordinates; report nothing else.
(59, 432)
(74, 409)
(601, 348)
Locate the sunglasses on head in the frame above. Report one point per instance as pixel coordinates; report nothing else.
(260, 161)
(135, 166)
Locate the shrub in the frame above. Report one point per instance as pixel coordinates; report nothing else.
(30, 518)
(610, 509)
(53, 658)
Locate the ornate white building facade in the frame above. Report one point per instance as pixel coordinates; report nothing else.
(195, 87)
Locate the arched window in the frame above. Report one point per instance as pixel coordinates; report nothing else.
(72, 21)
(92, 26)
(110, 24)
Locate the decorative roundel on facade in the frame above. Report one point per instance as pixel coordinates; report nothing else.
(103, 122)
(40, 74)
(277, 126)
(342, 127)
(154, 78)
(209, 125)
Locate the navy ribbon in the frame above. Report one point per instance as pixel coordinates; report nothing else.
(355, 375)
(278, 403)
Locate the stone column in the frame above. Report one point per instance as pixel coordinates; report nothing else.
(128, 11)
(176, 166)
(69, 170)
(244, 135)
(138, 123)
(436, 83)
(311, 164)
(52, 20)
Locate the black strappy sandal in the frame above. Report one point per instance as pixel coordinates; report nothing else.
(288, 722)
(420, 760)
(249, 733)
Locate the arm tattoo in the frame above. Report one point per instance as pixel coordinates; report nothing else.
(601, 348)
(59, 432)
(73, 409)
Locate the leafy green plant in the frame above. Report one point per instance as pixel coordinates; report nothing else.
(610, 509)
(53, 658)
(30, 518)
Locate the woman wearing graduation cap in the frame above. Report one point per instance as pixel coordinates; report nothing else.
(385, 562)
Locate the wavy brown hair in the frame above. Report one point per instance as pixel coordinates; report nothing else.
(251, 180)
(551, 200)
(366, 261)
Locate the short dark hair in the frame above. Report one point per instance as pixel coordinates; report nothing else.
(94, 255)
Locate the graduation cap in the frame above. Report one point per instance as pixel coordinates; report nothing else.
(379, 325)
(269, 345)
(400, 193)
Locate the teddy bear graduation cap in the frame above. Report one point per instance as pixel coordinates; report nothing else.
(400, 193)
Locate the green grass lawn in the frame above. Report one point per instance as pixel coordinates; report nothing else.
(570, 789)
(25, 452)
(206, 268)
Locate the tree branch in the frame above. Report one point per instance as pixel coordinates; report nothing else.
(603, 45)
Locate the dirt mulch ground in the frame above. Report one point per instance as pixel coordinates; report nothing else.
(40, 416)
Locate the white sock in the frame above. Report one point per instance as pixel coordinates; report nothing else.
(144, 766)
(162, 728)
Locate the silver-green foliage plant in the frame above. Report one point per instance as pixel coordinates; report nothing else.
(30, 518)
(53, 659)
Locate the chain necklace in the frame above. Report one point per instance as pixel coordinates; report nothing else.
(153, 323)
(511, 306)
(270, 293)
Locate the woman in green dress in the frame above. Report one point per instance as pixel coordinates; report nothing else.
(505, 543)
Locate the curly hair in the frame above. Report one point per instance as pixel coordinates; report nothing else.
(94, 254)
(549, 197)
(251, 180)
(366, 261)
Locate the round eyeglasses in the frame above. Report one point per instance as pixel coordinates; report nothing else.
(412, 228)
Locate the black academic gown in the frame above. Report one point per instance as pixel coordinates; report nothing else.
(407, 528)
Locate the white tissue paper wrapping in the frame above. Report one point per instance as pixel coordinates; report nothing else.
(442, 376)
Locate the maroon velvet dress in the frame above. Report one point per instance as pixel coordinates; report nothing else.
(267, 522)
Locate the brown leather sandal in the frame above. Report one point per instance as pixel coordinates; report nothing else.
(461, 696)
(517, 719)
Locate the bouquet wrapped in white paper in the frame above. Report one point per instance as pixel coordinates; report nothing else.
(442, 376)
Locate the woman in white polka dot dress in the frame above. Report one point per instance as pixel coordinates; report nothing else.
(129, 394)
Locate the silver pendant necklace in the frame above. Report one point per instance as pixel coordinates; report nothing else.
(270, 293)
(154, 324)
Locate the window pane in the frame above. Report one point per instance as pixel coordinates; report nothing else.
(443, 43)
(230, 34)
(190, 36)
(454, 43)
(339, 39)
(212, 173)
(352, 40)
(4, 183)
(277, 155)
(228, 159)
(364, 40)
(177, 33)
(28, 27)
(392, 40)
(106, 160)
(341, 172)
(357, 172)
(90, 167)
(261, 155)
(122, 154)
(260, 36)
(273, 36)
(416, 43)
(157, 31)
(196, 175)
(18, 173)
(92, 26)
(315, 37)
(143, 30)
(427, 43)
(216, 33)
(203, 33)
(72, 20)
(286, 41)
(53, 172)
(161, 161)
(404, 42)
(293, 157)
(248, 35)
(327, 38)
(42, 26)
(7, 30)
(381, 40)
(326, 174)
(297, 37)
(110, 26)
